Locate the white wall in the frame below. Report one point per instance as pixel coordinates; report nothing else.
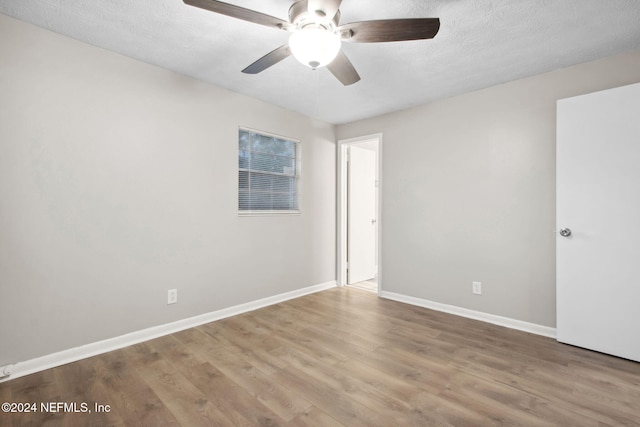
(469, 191)
(118, 181)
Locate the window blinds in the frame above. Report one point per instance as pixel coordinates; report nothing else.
(267, 173)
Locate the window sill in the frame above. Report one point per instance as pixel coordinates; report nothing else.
(268, 213)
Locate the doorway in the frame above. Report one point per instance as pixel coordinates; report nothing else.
(359, 162)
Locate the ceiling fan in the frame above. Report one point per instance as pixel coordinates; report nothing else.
(316, 34)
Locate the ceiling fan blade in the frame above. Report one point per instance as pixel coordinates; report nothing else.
(325, 9)
(240, 13)
(390, 30)
(344, 71)
(268, 60)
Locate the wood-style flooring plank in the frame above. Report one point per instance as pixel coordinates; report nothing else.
(187, 403)
(333, 402)
(314, 418)
(6, 418)
(282, 401)
(78, 382)
(234, 401)
(37, 388)
(130, 394)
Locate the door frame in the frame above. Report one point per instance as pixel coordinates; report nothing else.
(341, 261)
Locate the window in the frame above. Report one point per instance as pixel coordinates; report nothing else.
(267, 172)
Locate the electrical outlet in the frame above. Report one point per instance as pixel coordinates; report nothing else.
(476, 288)
(172, 296)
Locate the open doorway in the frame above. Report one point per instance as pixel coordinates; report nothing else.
(359, 206)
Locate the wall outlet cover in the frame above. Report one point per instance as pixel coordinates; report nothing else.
(476, 288)
(172, 296)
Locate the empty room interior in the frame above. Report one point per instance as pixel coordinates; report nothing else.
(319, 213)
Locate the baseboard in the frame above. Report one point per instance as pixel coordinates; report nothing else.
(471, 314)
(73, 354)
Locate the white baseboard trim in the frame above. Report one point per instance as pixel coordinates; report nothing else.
(471, 314)
(49, 361)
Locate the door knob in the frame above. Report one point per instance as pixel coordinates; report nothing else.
(373, 221)
(565, 232)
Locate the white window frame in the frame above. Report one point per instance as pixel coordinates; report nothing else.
(297, 162)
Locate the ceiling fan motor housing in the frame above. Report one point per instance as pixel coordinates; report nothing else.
(300, 16)
(314, 41)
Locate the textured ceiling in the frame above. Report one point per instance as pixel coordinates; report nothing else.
(481, 43)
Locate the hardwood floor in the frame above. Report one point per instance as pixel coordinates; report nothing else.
(369, 285)
(342, 357)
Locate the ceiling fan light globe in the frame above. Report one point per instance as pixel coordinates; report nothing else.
(314, 47)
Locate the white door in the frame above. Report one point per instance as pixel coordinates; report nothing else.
(598, 199)
(361, 222)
